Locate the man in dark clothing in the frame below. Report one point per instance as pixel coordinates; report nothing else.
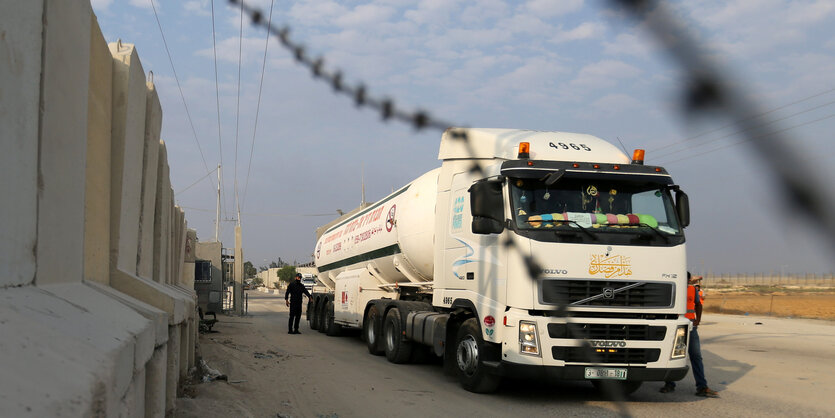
(293, 299)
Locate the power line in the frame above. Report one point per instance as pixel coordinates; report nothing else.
(754, 116)
(283, 215)
(198, 181)
(749, 139)
(741, 131)
(182, 96)
(258, 104)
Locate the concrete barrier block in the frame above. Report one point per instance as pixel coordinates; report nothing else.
(152, 293)
(157, 317)
(88, 368)
(161, 216)
(63, 141)
(155, 382)
(150, 170)
(172, 369)
(20, 84)
(127, 150)
(97, 174)
(187, 278)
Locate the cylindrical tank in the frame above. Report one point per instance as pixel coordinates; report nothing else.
(393, 238)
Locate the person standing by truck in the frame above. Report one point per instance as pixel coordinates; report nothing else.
(293, 299)
(694, 313)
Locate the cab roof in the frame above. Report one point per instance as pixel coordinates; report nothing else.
(489, 143)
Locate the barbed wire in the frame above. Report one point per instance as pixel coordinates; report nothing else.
(419, 120)
(711, 89)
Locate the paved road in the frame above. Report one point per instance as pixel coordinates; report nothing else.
(762, 366)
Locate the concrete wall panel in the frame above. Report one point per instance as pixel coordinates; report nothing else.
(154, 392)
(63, 141)
(90, 358)
(150, 170)
(129, 95)
(161, 217)
(97, 190)
(20, 78)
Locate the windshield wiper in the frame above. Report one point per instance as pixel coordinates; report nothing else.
(592, 236)
(666, 238)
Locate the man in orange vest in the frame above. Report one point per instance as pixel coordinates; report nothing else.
(695, 300)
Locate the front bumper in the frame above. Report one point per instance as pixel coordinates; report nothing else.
(527, 371)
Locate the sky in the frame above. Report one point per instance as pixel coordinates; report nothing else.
(569, 65)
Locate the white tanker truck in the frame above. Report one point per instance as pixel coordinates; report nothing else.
(428, 268)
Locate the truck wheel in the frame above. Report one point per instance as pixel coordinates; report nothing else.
(470, 351)
(623, 387)
(332, 329)
(371, 330)
(398, 350)
(321, 317)
(311, 314)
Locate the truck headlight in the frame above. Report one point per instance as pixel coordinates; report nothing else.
(680, 343)
(528, 342)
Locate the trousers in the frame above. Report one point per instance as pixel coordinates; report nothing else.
(694, 350)
(295, 316)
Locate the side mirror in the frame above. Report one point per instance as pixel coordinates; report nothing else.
(487, 207)
(683, 208)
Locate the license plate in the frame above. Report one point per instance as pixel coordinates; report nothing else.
(605, 373)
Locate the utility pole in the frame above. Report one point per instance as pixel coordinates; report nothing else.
(217, 214)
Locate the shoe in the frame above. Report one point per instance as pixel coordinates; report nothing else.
(667, 389)
(296, 332)
(290, 332)
(707, 393)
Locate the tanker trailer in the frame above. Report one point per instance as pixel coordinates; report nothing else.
(441, 266)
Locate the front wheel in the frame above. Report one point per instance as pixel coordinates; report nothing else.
(470, 353)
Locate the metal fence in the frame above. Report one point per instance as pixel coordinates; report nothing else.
(768, 279)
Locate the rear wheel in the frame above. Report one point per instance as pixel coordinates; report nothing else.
(313, 314)
(398, 349)
(371, 330)
(470, 353)
(322, 318)
(331, 329)
(617, 387)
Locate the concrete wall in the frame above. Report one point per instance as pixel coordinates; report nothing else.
(96, 319)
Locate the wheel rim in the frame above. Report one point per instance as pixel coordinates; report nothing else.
(370, 335)
(390, 337)
(467, 355)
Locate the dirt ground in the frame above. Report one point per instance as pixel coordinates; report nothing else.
(246, 351)
(267, 373)
(773, 301)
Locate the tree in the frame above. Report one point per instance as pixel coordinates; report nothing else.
(258, 281)
(286, 273)
(249, 270)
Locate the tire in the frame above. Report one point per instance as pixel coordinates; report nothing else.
(371, 325)
(331, 329)
(398, 349)
(323, 309)
(470, 353)
(623, 387)
(311, 314)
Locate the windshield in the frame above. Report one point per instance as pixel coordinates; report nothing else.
(594, 210)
